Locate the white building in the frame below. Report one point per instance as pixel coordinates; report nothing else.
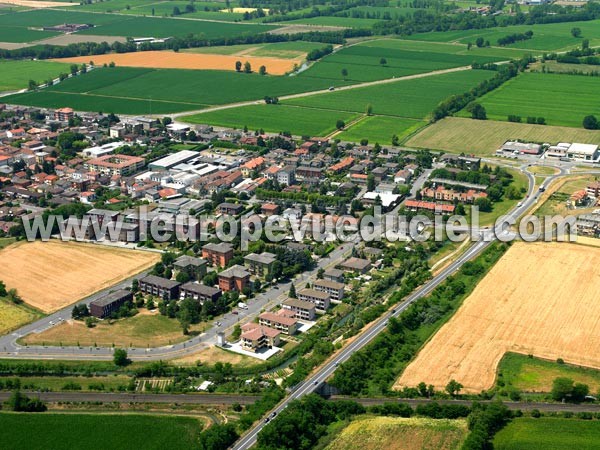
(583, 152)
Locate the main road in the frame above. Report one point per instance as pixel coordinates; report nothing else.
(310, 385)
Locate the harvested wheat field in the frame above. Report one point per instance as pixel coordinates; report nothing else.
(55, 274)
(197, 61)
(540, 299)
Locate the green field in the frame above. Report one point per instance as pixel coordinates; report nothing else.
(20, 34)
(403, 58)
(560, 99)
(549, 434)
(536, 375)
(413, 98)
(380, 129)
(100, 431)
(119, 25)
(330, 21)
(288, 50)
(555, 36)
(16, 74)
(276, 118)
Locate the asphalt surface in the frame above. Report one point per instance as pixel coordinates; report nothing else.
(311, 384)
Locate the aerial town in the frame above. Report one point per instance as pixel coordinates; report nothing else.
(291, 225)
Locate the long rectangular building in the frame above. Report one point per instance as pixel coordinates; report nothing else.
(320, 299)
(105, 306)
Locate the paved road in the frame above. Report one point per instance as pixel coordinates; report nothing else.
(326, 370)
(105, 397)
(9, 348)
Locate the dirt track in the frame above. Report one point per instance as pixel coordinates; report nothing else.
(175, 60)
(540, 299)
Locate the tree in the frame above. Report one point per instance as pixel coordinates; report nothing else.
(484, 204)
(120, 357)
(238, 66)
(369, 110)
(576, 32)
(247, 67)
(585, 44)
(562, 388)
(591, 123)
(320, 273)
(237, 332)
(453, 387)
(383, 61)
(262, 70)
(218, 437)
(32, 85)
(292, 293)
(21, 403)
(477, 111)
(2, 289)
(479, 42)
(340, 124)
(370, 182)
(344, 73)
(14, 297)
(176, 11)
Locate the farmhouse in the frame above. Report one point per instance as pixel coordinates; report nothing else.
(159, 287)
(333, 288)
(218, 254)
(302, 310)
(200, 292)
(236, 278)
(105, 306)
(319, 298)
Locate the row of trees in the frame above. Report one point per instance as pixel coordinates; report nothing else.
(247, 68)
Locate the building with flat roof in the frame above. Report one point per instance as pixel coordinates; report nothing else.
(583, 152)
(174, 159)
(199, 292)
(302, 309)
(334, 275)
(105, 306)
(218, 254)
(232, 209)
(236, 278)
(159, 287)
(320, 299)
(333, 288)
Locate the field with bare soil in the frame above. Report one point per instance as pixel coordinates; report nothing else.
(52, 275)
(540, 299)
(197, 61)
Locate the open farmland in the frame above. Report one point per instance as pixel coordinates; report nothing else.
(176, 60)
(52, 275)
(14, 316)
(98, 431)
(380, 129)
(330, 21)
(550, 433)
(560, 99)
(395, 433)
(285, 50)
(539, 299)
(484, 137)
(16, 74)
(412, 98)
(555, 36)
(276, 118)
(142, 330)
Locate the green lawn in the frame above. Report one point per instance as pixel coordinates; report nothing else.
(99, 431)
(536, 375)
(16, 74)
(555, 36)
(560, 99)
(503, 206)
(276, 118)
(548, 433)
(380, 129)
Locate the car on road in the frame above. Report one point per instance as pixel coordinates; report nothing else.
(273, 414)
(234, 312)
(315, 383)
(331, 88)
(218, 324)
(267, 420)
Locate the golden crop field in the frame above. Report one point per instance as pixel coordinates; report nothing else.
(539, 299)
(55, 274)
(484, 137)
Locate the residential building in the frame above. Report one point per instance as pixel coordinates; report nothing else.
(199, 292)
(257, 337)
(269, 209)
(302, 310)
(437, 208)
(333, 288)
(115, 164)
(218, 254)
(254, 165)
(287, 325)
(159, 287)
(319, 298)
(593, 189)
(236, 278)
(106, 305)
(334, 275)
(287, 175)
(353, 264)
(63, 114)
(260, 264)
(232, 209)
(194, 267)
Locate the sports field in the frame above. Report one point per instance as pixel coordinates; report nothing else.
(276, 119)
(98, 431)
(539, 299)
(177, 60)
(52, 275)
(484, 137)
(142, 330)
(560, 99)
(16, 74)
(555, 36)
(549, 433)
(396, 433)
